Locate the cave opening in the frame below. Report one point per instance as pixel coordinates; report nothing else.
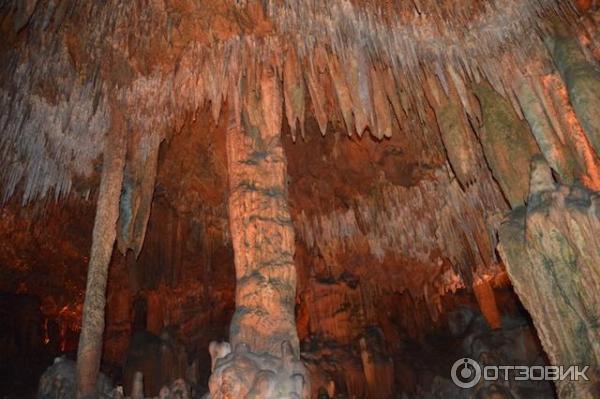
(287, 199)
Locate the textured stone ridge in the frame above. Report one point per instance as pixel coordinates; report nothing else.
(552, 253)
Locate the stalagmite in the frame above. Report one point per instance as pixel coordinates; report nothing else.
(265, 360)
(104, 235)
(137, 392)
(551, 252)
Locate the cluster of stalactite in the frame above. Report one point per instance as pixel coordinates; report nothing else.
(448, 232)
(375, 67)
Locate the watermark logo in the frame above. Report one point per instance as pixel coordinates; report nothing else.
(466, 373)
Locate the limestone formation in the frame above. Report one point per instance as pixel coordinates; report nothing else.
(508, 145)
(59, 382)
(261, 228)
(309, 189)
(244, 374)
(551, 253)
(582, 79)
(265, 362)
(89, 351)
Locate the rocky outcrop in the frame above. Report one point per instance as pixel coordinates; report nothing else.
(551, 252)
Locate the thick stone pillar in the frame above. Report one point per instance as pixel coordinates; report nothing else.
(265, 359)
(551, 250)
(263, 242)
(89, 351)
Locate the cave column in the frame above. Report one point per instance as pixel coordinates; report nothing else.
(263, 326)
(89, 352)
(263, 241)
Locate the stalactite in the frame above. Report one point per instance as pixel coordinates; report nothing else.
(294, 92)
(558, 155)
(52, 128)
(484, 292)
(560, 110)
(459, 140)
(104, 235)
(137, 194)
(343, 95)
(507, 144)
(413, 225)
(340, 54)
(383, 114)
(582, 80)
(315, 77)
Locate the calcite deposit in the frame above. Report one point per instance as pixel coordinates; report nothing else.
(297, 199)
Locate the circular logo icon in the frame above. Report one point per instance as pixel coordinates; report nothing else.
(466, 373)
